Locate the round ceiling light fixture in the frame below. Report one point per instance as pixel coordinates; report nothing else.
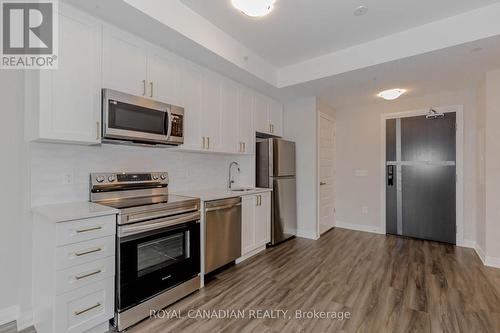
(254, 8)
(391, 94)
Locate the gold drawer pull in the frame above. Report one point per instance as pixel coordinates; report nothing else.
(77, 313)
(88, 229)
(79, 277)
(79, 254)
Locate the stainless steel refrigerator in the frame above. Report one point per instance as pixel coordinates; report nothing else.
(275, 168)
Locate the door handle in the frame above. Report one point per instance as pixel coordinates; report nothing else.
(151, 89)
(143, 87)
(322, 183)
(390, 175)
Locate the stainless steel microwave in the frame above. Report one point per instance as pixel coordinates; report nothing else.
(138, 120)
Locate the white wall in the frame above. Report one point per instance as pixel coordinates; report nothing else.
(300, 125)
(358, 148)
(11, 83)
(187, 171)
(480, 168)
(492, 167)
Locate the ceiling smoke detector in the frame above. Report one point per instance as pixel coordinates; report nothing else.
(360, 11)
(254, 8)
(391, 94)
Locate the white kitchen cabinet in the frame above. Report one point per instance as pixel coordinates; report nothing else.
(255, 223)
(246, 130)
(74, 268)
(124, 63)
(64, 105)
(163, 78)
(190, 99)
(211, 105)
(276, 118)
(248, 204)
(261, 113)
(229, 119)
(268, 116)
(262, 219)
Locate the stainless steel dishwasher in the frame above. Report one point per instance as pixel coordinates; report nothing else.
(222, 232)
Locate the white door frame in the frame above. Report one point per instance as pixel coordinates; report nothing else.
(318, 218)
(458, 109)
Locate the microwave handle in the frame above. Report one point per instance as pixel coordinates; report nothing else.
(168, 123)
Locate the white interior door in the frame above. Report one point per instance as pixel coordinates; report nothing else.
(326, 173)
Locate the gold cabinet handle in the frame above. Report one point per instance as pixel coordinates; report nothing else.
(208, 142)
(80, 231)
(143, 87)
(79, 277)
(79, 254)
(151, 89)
(203, 142)
(80, 312)
(244, 147)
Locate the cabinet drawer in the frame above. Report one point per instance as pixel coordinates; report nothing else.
(84, 252)
(82, 275)
(82, 230)
(84, 308)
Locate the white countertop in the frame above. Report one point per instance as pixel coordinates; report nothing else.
(220, 193)
(73, 211)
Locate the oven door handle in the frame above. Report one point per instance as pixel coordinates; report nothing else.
(144, 217)
(168, 123)
(129, 230)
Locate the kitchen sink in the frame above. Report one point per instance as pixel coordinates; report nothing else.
(242, 189)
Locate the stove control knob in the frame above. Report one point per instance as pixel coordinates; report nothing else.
(111, 179)
(163, 176)
(155, 177)
(99, 179)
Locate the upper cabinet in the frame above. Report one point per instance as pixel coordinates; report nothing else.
(246, 129)
(163, 78)
(64, 104)
(268, 116)
(124, 61)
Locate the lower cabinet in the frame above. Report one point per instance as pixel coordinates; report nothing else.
(73, 274)
(255, 223)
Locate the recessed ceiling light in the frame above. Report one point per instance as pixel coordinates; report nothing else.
(254, 8)
(391, 94)
(360, 11)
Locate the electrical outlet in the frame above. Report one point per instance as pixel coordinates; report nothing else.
(364, 210)
(68, 179)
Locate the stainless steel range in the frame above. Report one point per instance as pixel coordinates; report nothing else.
(158, 242)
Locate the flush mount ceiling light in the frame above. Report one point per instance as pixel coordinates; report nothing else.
(391, 94)
(254, 8)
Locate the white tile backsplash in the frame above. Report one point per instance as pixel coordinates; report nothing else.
(53, 164)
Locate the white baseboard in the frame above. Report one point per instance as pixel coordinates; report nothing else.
(25, 320)
(467, 243)
(492, 262)
(9, 314)
(358, 227)
(250, 254)
(309, 234)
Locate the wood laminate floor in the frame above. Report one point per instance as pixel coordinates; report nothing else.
(388, 284)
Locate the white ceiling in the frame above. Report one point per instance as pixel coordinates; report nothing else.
(298, 30)
(449, 69)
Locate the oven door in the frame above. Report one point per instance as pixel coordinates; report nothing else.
(132, 118)
(154, 256)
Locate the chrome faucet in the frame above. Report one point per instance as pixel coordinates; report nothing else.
(231, 180)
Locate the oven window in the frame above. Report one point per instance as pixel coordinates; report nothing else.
(133, 118)
(160, 253)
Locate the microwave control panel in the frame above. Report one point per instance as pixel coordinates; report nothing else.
(177, 125)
